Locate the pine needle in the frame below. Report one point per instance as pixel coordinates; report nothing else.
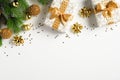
(14, 24)
(0, 41)
(14, 15)
(44, 2)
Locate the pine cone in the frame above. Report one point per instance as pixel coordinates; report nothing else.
(5, 33)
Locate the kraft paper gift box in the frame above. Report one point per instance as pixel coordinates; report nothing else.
(106, 11)
(59, 15)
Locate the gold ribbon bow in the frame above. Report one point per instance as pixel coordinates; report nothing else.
(107, 11)
(59, 15)
(109, 8)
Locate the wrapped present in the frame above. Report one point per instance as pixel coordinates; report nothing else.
(60, 13)
(106, 11)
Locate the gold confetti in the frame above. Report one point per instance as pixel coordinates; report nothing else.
(85, 12)
(76, 28)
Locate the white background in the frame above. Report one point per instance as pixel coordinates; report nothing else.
(90, 55)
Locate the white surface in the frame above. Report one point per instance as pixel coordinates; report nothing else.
(91, 55)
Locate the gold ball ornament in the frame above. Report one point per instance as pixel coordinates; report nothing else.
(26, 27)
(15, 3)
(28, 16)
(34, 10)
(5, 33)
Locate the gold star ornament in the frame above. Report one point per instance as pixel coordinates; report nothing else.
(85, 12)
(18, 40)
(76, 28)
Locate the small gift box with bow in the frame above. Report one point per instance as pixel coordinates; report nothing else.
(59, 14)
(106, 11)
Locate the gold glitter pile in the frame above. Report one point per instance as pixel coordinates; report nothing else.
(76, 28)
(85, 12)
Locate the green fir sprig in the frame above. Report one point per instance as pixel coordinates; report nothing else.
(13, 16)
(44, 2)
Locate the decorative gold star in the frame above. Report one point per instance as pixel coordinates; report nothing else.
(76, 28)
(85, 12)
(18, 40)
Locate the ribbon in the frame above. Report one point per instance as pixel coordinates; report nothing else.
(107, 11)
(59, 15)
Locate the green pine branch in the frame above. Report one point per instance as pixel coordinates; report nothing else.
(14, 23)
(0, 41)
(15, 16)
(20, 11)
(44, 2)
